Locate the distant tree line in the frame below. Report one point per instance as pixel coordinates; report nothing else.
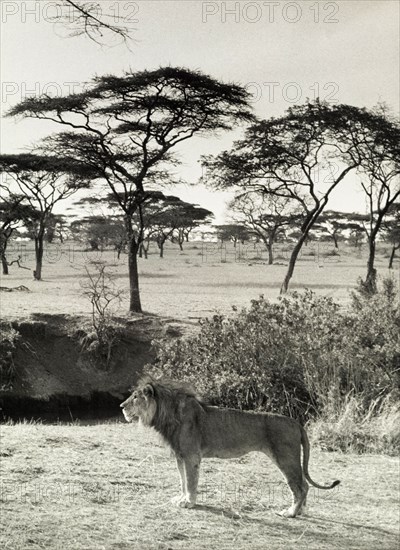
(121, 136)
(255, 226)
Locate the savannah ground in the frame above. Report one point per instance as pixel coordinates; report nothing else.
(198, 282)
(108, 486)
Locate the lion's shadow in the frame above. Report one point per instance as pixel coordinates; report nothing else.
(290, 524)
(377, 530)
(235, 515)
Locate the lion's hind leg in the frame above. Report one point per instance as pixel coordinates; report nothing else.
(290, 467)
(299, 496)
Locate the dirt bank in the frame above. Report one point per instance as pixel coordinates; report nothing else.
(55, 375)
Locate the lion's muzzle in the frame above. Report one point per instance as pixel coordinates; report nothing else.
(128, 418)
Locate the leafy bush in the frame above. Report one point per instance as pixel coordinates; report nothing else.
(258, 358)
(332, 252)
(8, 340)
(300, 356)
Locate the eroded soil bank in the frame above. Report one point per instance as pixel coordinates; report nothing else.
(56, 373)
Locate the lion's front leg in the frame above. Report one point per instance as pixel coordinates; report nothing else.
(181, 469)
(192, 470)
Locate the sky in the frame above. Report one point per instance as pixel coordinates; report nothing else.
(345, 51)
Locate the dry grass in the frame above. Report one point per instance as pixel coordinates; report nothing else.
(192, 284)
(108, 486)
(349, 427)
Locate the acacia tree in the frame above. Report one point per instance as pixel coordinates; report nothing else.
(127, 127)
(379, 151)
(163, 227)
(285, 157)
(43, 181)
(189, 217)
(105, 224)
(12, 212)
(233, 232)
(100, 231)
(392, 231)
(334, 224)
(57, 228)
(357, 233)
(165, 216)
(266, 216)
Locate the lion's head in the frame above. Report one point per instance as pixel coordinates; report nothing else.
(141, 404)
(162, 404)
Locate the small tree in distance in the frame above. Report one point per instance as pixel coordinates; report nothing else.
(334, 224)
(266, 216)
(12, 212)
(168, 217)
(233, 232)
(57, 228)
(189, 217)
(392, 231)
(43, 181)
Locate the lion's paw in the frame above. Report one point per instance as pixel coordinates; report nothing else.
(302, 511)
(288, 513)
(177, 499)
(185, 502)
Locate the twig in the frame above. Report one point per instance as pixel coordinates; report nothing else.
(17, 261)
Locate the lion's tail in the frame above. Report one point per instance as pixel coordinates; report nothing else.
(306, 456)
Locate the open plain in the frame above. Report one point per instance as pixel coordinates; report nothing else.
(107, 486)
(200, 281)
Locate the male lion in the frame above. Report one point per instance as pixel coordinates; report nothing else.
(194, 431)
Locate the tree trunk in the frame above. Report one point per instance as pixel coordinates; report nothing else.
(292, 263)
(270, 254)
(3, 248)
(4, 263)
(141, 251)
(135, 305)
(37, 274)
(392, 255)
(269, 242)
(370, 281)
(146, 246)
(161, 245)
(335, 241)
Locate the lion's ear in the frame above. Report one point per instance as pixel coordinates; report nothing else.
(148, 390)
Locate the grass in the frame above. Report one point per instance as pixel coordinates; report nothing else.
(196, 283)
(108, 486)
(347, 426)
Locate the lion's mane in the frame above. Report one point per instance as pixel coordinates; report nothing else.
(175, 401)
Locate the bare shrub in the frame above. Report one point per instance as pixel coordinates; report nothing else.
(103, 294)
